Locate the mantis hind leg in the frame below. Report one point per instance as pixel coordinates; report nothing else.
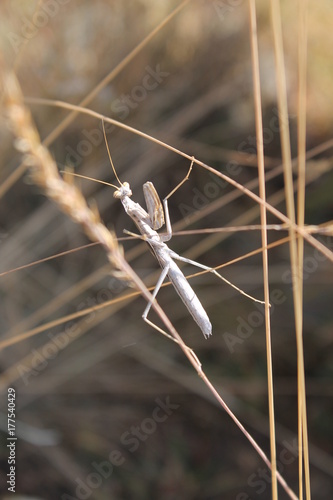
(156, 327)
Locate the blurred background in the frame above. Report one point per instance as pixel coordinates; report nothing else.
(107, 407)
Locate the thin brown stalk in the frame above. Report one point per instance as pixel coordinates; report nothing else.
(103, 83)
(294, 256)
(66, 195)
(301, 230)
(301, 121)
(44, 173)
(263, 219)
(45, 259)
(52, 306)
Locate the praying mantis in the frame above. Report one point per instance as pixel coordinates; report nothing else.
(148, 222)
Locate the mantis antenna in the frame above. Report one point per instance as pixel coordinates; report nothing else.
(97, 180)
(110, 158)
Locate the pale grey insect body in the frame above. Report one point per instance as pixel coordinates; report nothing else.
(147, 223)
(186, 293)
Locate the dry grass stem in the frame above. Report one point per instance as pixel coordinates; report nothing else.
(44, 173)
(62, 191)
(240, 91)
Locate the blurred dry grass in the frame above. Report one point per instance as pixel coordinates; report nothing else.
(98, 387)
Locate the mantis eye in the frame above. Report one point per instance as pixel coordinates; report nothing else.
(124, 190)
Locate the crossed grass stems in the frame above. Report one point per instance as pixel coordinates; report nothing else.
(46, 176)
(64, 192)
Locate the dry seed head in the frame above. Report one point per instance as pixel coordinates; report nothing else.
(44, 173)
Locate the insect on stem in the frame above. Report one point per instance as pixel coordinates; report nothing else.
(148, 222)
